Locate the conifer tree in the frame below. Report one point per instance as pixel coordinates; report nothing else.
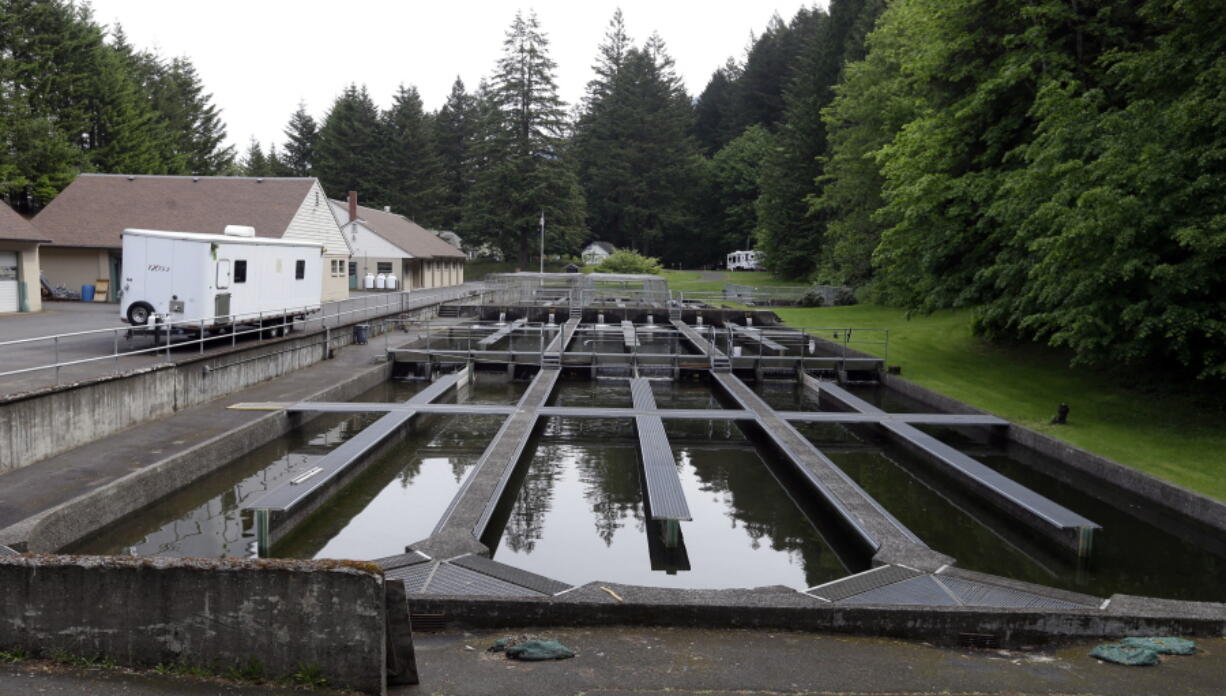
(350, 153)
(254, 162)
(412, 180)
(524, 170)
(301, 136)
(454, 129)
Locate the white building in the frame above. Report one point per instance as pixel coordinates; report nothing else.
(392, 245)
(85, 221)
(596, 252)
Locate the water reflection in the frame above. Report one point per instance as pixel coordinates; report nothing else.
(745, 532)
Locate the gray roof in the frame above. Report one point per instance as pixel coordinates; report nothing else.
(401, 231)
(15, 227)
(96, 208)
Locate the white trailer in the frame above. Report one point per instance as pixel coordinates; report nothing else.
(214, 282)
(744, 261)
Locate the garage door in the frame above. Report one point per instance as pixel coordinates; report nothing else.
(8, 281)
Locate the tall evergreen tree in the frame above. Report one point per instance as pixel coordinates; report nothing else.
(637, 163)
(301, 137)
(413, 183)
(525, 171)
(454, 130)
(350, 154)
(254, 161)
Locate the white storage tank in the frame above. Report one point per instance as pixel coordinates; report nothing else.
(380, 282)
(391, 282)
(369, 281)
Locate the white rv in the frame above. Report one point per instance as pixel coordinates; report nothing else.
(744, 261)
(212, 282)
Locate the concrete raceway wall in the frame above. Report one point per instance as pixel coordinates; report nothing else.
(32, 425)
(275, 618)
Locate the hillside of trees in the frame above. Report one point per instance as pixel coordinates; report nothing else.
(1059, 166)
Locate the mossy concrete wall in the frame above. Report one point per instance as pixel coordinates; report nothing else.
(274, 618)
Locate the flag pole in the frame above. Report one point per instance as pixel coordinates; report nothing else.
(542, 241)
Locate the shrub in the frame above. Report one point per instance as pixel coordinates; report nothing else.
(626, 261)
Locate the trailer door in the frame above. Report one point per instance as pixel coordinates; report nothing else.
(221, 301)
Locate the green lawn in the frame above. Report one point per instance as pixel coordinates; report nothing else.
(1165, 435)
(1158, 433)
(693, 280)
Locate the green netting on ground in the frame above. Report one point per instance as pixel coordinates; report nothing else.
(539, 650)
(1122, 654)
(1165, 645)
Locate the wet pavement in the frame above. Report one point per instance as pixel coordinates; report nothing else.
(648, 661)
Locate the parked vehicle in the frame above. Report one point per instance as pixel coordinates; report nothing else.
(215, 282)
(744, 261)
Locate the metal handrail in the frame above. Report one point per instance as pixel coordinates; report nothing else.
(368, 306)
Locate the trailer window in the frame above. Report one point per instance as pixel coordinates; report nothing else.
(240, 271)
(299, 269)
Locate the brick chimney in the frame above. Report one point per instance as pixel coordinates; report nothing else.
(353, 206)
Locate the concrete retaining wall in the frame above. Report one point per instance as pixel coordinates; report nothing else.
(33, 426)
(66, 524)
(772, 609)
(277, 617)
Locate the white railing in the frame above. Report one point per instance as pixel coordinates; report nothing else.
(86, 347)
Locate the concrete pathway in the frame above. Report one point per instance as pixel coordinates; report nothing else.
(658, 661)
(41, 486)
(108, 338)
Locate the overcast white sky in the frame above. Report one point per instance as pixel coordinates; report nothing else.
(259, 58)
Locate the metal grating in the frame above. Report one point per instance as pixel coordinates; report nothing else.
(500, 334)
(665, 496)
(863, 582)
(924, 590)
(979, 594)
(287, 495)
(414, 576)
(1009, 490)
(502, 571)
(450, 579)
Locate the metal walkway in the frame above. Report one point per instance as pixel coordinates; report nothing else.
(877, 529)
(757, 336)
(551, 358)
(467, 516)
(629, 336)
(500, 334)
(719, 361)
(958, 419)
(665, 497)
(1047, 517)
(294, 492)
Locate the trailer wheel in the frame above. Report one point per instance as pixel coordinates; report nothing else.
(139, 313)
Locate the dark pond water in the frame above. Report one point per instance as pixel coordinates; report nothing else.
(393, 503)
(1134, 553)
(575, 509)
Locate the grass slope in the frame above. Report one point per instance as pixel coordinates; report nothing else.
(1159, 433)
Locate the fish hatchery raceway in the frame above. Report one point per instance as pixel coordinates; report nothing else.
(538, 454)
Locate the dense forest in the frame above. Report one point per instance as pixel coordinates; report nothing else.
(1060, 165)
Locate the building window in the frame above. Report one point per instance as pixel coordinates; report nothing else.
(384, 267)
(299, 269)
(240, 271)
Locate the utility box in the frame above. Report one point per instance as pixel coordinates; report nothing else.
(216, 281)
